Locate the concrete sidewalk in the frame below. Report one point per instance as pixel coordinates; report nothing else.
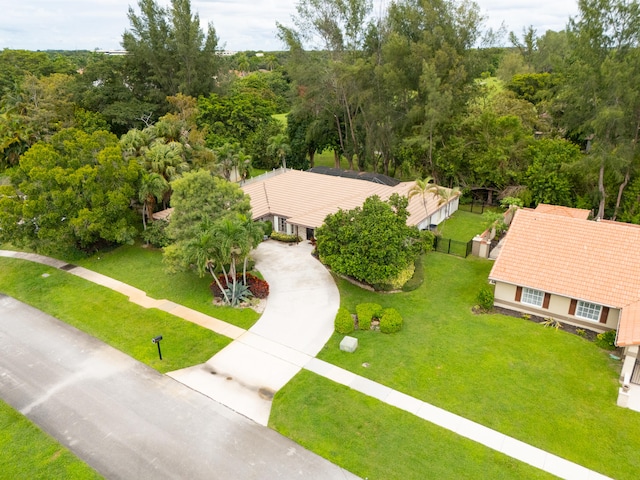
(246, 374)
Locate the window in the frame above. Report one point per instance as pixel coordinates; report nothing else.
(587, 310)
(532, 297)
(282, 224)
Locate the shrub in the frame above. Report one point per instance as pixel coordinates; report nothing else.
(485, 298)
(607, 340)
(367, 312)
(391, 321)
(258, 287)
(397, 283)
(156, 235)
(428, 239)
(267, 227)
(344, 322)
(417, 279)
(551, 322)
(283, 237)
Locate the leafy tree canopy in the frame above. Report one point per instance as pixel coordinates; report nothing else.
(74, 191)
(371, 243)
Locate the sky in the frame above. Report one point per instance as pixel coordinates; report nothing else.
(240, 24)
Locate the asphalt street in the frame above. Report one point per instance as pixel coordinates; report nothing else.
(128, 421)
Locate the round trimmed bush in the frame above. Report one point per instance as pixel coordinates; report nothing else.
(344, 322)
(367, 312)
(391, 321)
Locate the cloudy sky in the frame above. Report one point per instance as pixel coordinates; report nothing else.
(240, 24)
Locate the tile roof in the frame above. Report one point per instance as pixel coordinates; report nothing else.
(306, 198)
(593, 261)
(563, 211)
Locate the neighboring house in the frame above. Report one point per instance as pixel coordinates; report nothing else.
(297, 202)
(556, 263)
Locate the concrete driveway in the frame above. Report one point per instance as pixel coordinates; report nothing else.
(128, 421)
(295, 325)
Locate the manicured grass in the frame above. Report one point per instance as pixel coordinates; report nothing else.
(463, 226)
(143, 268)
(548, 388)
(109, 316)
(29, 453)
(326, 159)
(377, 441)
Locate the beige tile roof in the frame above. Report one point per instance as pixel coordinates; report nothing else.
(563, 211)
(306, 198)
(593, 261)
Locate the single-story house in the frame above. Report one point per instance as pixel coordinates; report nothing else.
(297, 202)
(556, 263)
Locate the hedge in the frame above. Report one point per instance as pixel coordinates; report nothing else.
(344, 322)
(367, 312)
(391, 321)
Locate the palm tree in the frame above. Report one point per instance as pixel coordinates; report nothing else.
(204, 252)
(445, 195)
(153, 186)
(228, 157)
(423, 188)
(233, 242)
(279, 148)
(254, 234)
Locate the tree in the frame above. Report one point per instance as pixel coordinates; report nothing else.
(372, 243)
(72, 192)
(548, 176)
(279, 148)
(168, 51)
(598, 97)
(200, 201)
(233, 160)
(153, 186)
(423, 188)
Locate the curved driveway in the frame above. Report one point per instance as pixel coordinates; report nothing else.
(296, 323)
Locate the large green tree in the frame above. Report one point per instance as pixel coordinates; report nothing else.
(599, 98)
(74, 191)
(168, 51)
(371, 243)
(199, 196)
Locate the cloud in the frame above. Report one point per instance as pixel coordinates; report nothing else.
(240, 24)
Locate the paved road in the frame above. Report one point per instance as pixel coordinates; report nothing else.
(128, 421)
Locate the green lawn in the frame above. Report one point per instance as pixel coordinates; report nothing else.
(143, 268)
(545, 387)
(378, 441)
(29, 453)
(463, 226)
(109, 316)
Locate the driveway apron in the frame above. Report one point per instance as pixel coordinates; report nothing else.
(297, 322)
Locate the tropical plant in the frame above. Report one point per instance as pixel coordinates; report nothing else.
(279, 148)
(153, 187)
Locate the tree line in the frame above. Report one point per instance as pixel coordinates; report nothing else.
(91, 145)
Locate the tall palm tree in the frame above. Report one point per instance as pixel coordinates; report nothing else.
(423, 188)
(254, 234)
(204, 252)
(153, 187)
(279, 148)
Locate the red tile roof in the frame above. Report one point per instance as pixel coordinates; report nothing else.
(563, 211)
(592, 261)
